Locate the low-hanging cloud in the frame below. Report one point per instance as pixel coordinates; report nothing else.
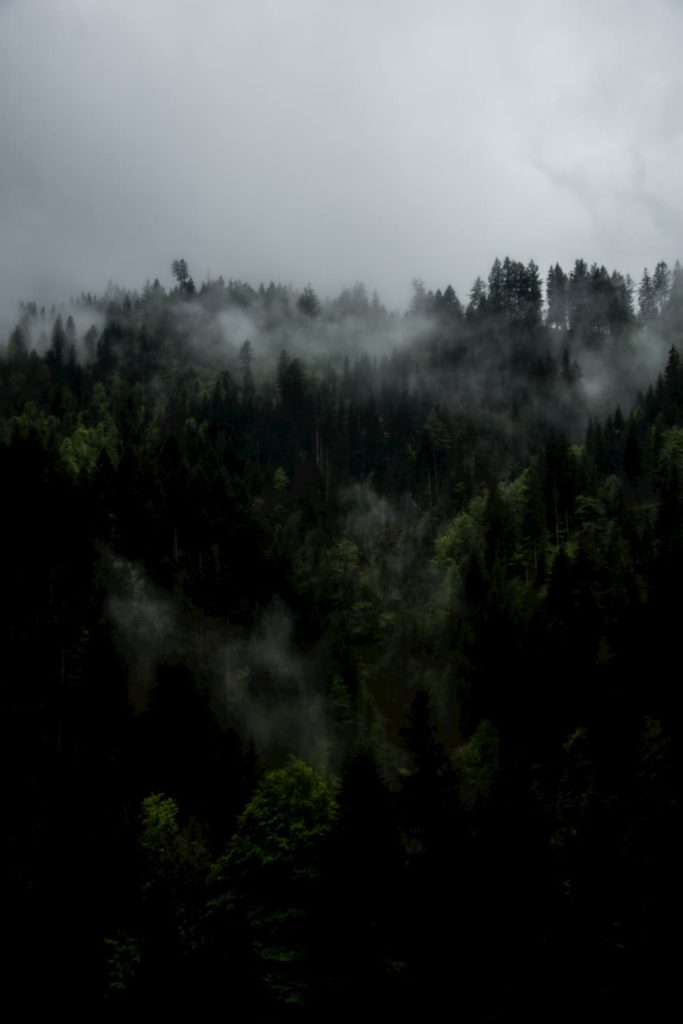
(270, 687)
(259, 682)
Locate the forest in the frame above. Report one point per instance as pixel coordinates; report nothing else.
(340, 647)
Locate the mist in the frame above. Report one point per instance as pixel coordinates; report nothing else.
(258, 681)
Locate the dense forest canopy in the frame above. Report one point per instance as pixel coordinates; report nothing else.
(341, 644)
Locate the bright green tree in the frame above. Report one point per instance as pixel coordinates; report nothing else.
(270, 879)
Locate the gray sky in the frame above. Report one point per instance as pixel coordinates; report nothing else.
(330, 142)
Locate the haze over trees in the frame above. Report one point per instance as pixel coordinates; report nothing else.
(341, 645)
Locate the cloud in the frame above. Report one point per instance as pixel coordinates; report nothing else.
(312, 141)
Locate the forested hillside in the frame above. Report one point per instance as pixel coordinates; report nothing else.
(341, 646)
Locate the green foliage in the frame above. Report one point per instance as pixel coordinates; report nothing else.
(270, 875)
(124, 956)
(477, 764)
(342, 702)
(160, 831)
(515, 495)
(289, 815)
(463, 537)
(176, 866)
(280, 480)
(31, 421)
(670, 451)
(80, 452)
(437, 429)
(612, 494)
(344, 566)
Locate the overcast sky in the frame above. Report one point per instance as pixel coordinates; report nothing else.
(328, 142)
